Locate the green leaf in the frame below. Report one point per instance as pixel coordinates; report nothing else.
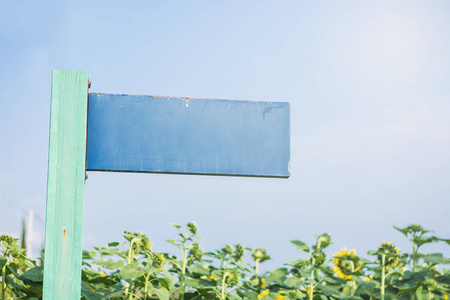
(168, 275)
(113, 244)
(89, 254)
(293, 282)
(87, 292)
(36, 275)
(114, 295)
(328, 290)
(270, 296)
(250, 295)
(233, 297)
(277, 275)
(200, 270)
(299, 263)
(175, 225)
(436, 258)
(109, 264)
(198, 282)
(162, 293)
(421, 240)
(405, 230)
(107, 251)
(300, 245)
(419, 293)
(131, 272)
(445, 240)
(3, 262)
(165, 282)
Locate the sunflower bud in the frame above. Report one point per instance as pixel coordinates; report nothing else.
(196, 252)
(260, 255)
(158, 260)
(140, 241)
(7, 239)
(294, 294)
(227, 249)
(323, 241)
(192, 227)
(431, 283)
(238, 253)
(415, 228)
(233, 276)
(318, 258)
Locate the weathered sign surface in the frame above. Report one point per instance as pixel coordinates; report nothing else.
(132, 133)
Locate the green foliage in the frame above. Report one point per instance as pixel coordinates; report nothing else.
(131, 270)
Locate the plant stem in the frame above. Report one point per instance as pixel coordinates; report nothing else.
(256, 267)
(130, 251)
(311, 287)
(414, 252)
(3, 282)
(223, 287)
(228, 262)
(146, 283)
(184, 253)
(383, 275)
(183, 268)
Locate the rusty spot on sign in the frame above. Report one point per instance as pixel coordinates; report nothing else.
(64, 232)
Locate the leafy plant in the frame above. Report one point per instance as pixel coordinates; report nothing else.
(131, 270)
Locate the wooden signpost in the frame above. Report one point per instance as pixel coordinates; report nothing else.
(127, 133)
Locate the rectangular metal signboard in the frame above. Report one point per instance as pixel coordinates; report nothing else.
(132, 133)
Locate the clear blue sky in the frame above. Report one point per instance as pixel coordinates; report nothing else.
(368, 83)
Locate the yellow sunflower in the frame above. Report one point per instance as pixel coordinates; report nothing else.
(345, 263)
(389, 249)
(263, 293)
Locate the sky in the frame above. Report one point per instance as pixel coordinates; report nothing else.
(368, 84)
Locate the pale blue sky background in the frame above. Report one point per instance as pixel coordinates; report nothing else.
(368, 83)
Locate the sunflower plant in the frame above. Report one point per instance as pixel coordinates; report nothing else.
(191, 252)
(348, 266)
(307, 274)
(418, 236)
(20, 276)
(133, 270)
(130, 270)
(388, 257)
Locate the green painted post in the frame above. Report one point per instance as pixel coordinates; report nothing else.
(65, 186)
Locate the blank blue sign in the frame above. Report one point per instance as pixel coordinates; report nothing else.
(129, 133)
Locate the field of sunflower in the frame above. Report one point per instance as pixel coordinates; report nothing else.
(132, 271)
